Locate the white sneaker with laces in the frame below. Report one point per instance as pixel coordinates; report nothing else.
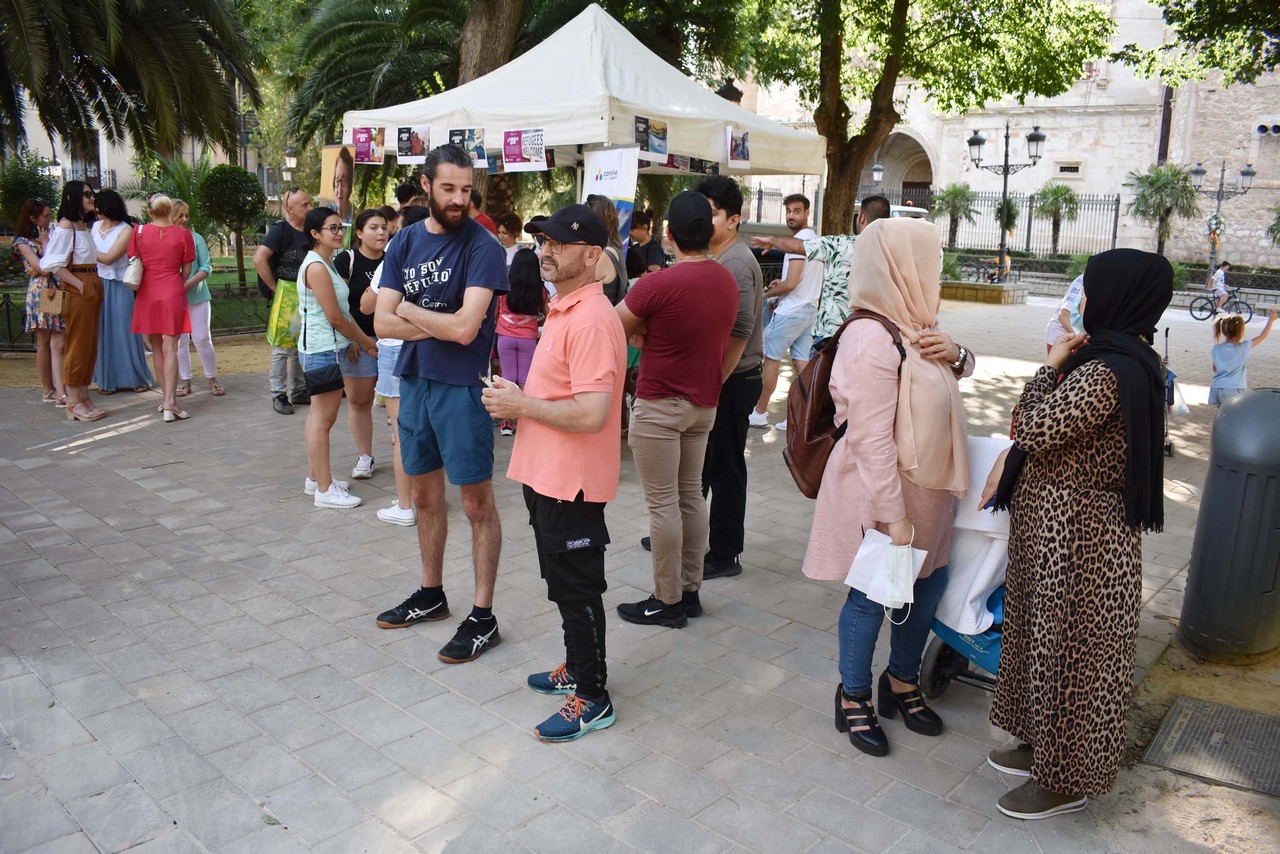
(336, 497)
(781, 425)
(758, 419)
(309, 486)
(397, 515)
(364, 468)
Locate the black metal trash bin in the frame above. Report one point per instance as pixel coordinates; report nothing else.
(1231, 608)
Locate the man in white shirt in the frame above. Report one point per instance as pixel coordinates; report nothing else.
(796, 309)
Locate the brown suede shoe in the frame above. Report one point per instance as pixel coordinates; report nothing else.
(1015, 762)
(1032, 801)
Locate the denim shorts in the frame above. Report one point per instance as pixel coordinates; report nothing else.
(388, 383)
(311, 361)
(445, 426)
(790, 332)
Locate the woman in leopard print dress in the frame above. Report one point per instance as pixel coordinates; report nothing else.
(1085, 479)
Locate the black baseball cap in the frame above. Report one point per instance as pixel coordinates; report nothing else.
(572, 224)
(689, 218)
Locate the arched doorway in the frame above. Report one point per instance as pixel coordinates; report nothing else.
(908, 171)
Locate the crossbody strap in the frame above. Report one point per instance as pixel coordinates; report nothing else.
(890, 327)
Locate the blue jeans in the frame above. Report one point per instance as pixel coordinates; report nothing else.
(860, 622)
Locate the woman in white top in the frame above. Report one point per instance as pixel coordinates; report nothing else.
(69, 254)
(329, 338)
(122, 362)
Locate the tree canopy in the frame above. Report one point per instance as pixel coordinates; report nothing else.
(1241, 38)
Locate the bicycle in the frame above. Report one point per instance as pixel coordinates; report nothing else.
(1205, 307)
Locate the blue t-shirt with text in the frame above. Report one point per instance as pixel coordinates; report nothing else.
(434, 271)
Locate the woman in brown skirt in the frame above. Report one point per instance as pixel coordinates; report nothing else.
(70, 255)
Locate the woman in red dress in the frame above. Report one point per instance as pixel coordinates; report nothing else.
(160, 311)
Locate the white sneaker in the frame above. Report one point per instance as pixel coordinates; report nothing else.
(337, 497)
(758, 419)
(364, 468)
(397, 515)
(309, 486)
(781, 425)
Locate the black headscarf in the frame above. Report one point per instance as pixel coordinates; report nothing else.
(1126, 291)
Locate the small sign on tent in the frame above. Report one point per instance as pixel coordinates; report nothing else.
(370, 145)
(412, 144)
(739, 142)
(651, 137)
(524, 150)
(472, 139)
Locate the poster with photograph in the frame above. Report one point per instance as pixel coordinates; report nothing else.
(337, 177)
(524, 151)
(651, 137)
(370, 145)
(494, 160)
(472, 139)
(739, 142)
(412, 144)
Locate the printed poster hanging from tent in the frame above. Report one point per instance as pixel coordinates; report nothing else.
(370, 145)
(472, 139)
(651, 137)
(412, 144)
(739, 142)
(612, 172)
(524, 151)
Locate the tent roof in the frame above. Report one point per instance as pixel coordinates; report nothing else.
(584, 85)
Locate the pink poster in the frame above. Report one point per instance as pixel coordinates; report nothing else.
(370, 144)
(524, 151)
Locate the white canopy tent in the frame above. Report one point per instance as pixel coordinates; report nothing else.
(584, 85)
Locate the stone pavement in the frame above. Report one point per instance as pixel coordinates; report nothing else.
(189, 662)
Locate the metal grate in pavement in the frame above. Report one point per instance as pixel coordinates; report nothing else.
(1220, 744)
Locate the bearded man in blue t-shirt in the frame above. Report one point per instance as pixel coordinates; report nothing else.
(440, 282)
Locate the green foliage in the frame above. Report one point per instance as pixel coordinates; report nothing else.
(144, 72)
(177, 179)
(1006, 213)
(23, 176)
(234, 198)
(956, 201)
(1179, 275)
(1241, 38)
(951, 268)
(1057, 202)
(1161, 193)
(1077, 265)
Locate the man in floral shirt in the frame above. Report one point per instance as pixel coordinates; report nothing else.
(834, 252)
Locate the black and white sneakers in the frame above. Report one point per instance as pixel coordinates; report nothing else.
(654, 612)
(473, 637)
(416, 608)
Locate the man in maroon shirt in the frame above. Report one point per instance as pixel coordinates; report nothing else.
(681, 317)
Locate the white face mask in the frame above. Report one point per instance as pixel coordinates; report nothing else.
(901, 579)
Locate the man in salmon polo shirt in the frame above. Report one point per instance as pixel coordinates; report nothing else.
(567, 455)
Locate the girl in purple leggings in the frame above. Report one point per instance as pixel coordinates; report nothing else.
(518, 322)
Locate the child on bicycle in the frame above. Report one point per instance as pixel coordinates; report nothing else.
(1218, 284)
(1231, 356)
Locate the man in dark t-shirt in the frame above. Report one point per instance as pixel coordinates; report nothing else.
(439, 287)
(645, 254)
(277, 260)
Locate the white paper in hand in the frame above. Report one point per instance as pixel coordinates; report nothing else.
(870, 570)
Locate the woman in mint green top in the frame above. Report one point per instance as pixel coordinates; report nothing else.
(199, 307)
(328, 336)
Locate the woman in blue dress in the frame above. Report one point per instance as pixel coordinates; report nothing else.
(122, 362)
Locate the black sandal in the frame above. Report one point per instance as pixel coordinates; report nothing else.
(859, 721)
(915, 714)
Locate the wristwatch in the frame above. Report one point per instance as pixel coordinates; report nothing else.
(958, 364)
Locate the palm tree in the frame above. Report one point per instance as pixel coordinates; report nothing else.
(142, 71)
(177, 179)
(1058, 202)
(956, 202)
(1161, 193)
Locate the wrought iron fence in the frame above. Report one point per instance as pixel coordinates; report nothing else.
(99, 179)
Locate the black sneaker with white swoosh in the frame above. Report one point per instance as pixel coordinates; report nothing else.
(417, 608)
(471, 640)
(654, 612)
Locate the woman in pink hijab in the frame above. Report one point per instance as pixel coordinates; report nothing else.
(899, 467)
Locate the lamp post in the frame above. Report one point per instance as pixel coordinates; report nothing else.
(1035, 149)
(1223, 192)
(290, 163)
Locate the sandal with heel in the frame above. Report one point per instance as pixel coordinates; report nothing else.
(215, 389)
(859, 721)
(74, 413)
(915, 714)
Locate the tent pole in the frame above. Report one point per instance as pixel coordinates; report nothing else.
(577, 171)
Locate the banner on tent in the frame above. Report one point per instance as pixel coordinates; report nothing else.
(472, 139)
(370, 145)
(524, 150)
(412, 144)
(651, 137)
(612, 172)
(739, 143)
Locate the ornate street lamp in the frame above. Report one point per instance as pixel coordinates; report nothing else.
(1223, 191)
(290, 163)
(1035, 150)
(877, 173)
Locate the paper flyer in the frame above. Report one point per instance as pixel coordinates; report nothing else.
(412, 144)
(472, 139)
(494, 159)
(739, 143)
(370, 145)
(696, 165)
(524, 151)
(651, 137)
